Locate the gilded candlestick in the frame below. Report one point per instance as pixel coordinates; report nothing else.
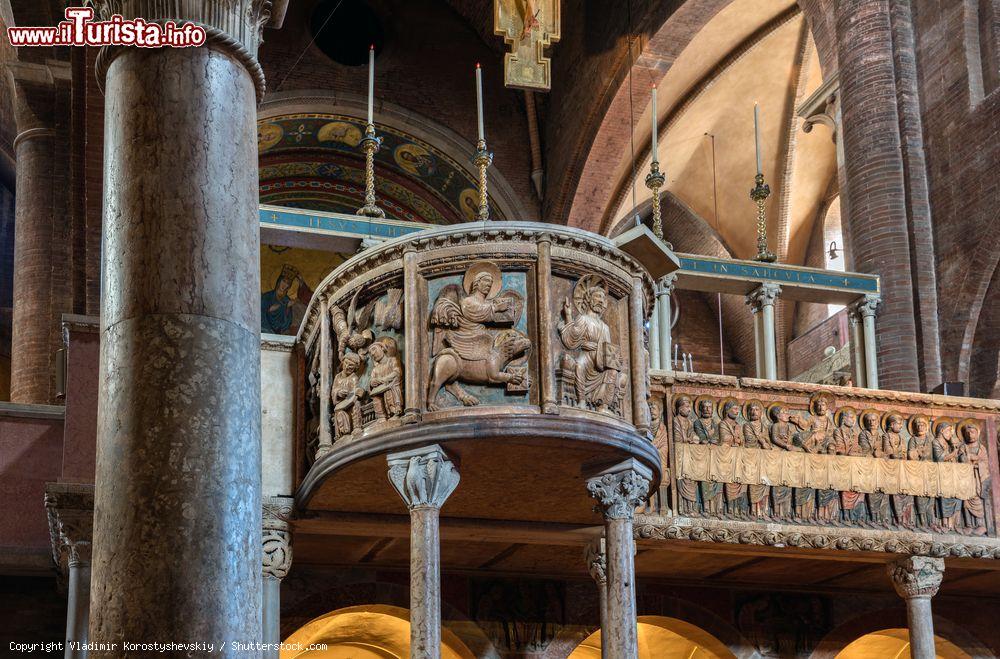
(759, 194)
(654, 181)
(483, 159)
(370, 144)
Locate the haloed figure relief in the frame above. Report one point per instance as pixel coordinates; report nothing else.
(592, 367)
(474, 341)
(827, 466)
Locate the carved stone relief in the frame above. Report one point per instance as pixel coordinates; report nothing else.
(478, 338)
(592, 370)
(368, 385)
(870, 469)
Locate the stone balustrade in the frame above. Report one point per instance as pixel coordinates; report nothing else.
(798, 454)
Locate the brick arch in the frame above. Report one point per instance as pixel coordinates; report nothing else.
(583, 187)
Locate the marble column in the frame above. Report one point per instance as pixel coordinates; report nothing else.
(868, 308)
(664, 316)
(654, 337)
(41, 267)
(424, 478)
(618, 490)
(276, 560)
(917, 579)
(761, 302)
(70, 509)
(177, 525)
(597, 564)
(857, 346)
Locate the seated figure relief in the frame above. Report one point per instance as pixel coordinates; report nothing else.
(774, 494)
(473, 339)
(591, 370)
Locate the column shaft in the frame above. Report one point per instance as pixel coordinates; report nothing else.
(178, 509)
(654, 336)
(921, 623)
(871, 352)
(425, 583)
(857, 349)
(424, 478)
(271, 616)
(665, 320)
(768, 339)
(758, 345)
(32, 352)
(621, 628)
(77, 609)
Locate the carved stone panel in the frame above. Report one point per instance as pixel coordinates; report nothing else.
(768, 460)
(479, 339)
(591, 342)
(369, 351)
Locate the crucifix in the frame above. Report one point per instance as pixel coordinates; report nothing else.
(528, 26)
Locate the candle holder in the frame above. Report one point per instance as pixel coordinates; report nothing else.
(483, 159)
(760, 192)
(654, 181)
(370, 144)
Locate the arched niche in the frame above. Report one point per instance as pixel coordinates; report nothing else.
(373, 631)
(661, 637)
(895, 643)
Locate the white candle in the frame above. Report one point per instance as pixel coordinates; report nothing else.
(371, 83)
(479, 101)
(655, 156)
(756, 134)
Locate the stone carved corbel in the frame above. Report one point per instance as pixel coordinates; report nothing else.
(276, 538)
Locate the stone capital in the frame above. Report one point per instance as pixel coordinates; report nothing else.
(233, 26)
(666, 285)
(619, 489)
(868, 306)
(597, 561)
(764, 295)
(916, 576)
(423, 477)
(276, 537)
(70, 510)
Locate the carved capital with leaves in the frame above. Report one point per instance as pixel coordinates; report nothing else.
(621, 488)
(916, 576)
(276, 537)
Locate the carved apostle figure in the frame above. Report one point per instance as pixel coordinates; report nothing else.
(846, 441)
(974, 452)
(872, 442)
(464, 349)
(947, 447)
(707, 431)
(782, 437)
(385, 384)
(755, 436)
(920, 447)
(683, 427)
(730, 434)
(345, 395)
(599, 381)
(894, 447)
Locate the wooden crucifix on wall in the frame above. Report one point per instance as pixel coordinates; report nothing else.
(529, 27)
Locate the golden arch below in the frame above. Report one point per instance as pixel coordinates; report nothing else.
(892, 643)
(663, 638)
(364, 632)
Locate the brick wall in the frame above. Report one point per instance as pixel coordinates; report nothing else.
(805, 351)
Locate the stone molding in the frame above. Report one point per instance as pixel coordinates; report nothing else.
(916, 576)
(804, 537)
(232, 26)
(276, 537)
(423, 477)
(70, 510)
(620, 489)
